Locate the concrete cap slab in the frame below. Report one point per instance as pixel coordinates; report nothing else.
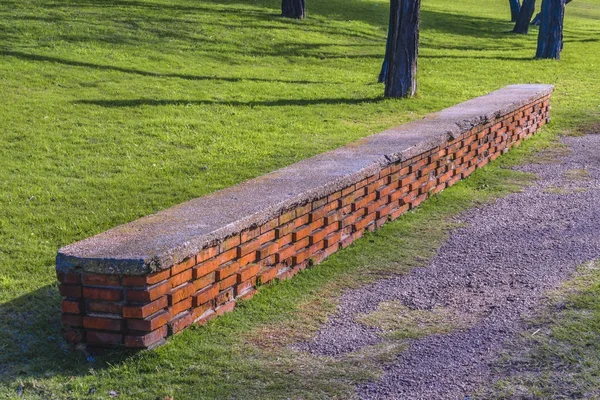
(163, 239)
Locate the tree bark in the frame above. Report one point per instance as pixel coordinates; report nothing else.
(515, 7)
(293, 9)
(527, 9)
(550, 38)
(537, 19)
(385, 64)
(403, 48)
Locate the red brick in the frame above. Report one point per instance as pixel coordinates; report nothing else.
(183, 266)
(301, 233)
(266, 250)
(247, 272)
(224, 296)
(317, 236)
(183, 305)
(267, 237)
(333, 239)
(226, 270)
(244, 286)
(230, 243)
(284, 230)
(180, 292)
(205, 295)
(332, 217)
(205, 281)
(269, 226)
(205, 268)
(145, 310)
(203, 310)
(249, 234)
(334, 196)
(72, 307)
(303, 209)
(102, 324)
(287, 217)
(228, 282)
(227, 256)
(144, 280)
(285, 253)
(104, 307)
(284, 241)
(206, 254)
(147, 340)
(299, 245)
(101, 280)
(103, 338)
(69, 290)
(180, 322)
(318, 203)
(69, 278)
(300, 256)
(149, 294)
(248, 247)
(267, 274)
(247, 259)
(183, 277)
(103, 294)
(150, 323)
(303, 220)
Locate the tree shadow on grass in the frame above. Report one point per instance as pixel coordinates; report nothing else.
(266, 103)
(31, 342)
(43, 58)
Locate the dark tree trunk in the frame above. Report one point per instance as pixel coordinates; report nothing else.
(515, 7)
(538, 17)
(384, 66)
(293, 9)
(550, 38)
(527, 9)
(400, 80)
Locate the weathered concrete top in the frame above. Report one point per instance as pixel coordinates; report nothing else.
(160, 240)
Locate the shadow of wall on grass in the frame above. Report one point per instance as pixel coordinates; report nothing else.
(267, 103)
(44, 58)
(32, 345)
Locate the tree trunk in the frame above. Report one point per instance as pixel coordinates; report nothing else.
(515, 7)
(293, 9)
(538, 17)
(527, 9)
(384, 66)
(403, 49)
(550, 38)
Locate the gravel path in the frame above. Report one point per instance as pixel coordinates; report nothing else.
(494, 271)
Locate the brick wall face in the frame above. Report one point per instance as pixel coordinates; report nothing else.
(141, 311)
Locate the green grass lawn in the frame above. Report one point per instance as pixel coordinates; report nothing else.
(112, 110)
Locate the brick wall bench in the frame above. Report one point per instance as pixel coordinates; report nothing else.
(138, 283)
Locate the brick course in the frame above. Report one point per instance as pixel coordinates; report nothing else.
(139, 311)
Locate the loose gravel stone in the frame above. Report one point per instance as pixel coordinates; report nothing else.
(494, 271)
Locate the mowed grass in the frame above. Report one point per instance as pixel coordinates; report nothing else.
(112, 110)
